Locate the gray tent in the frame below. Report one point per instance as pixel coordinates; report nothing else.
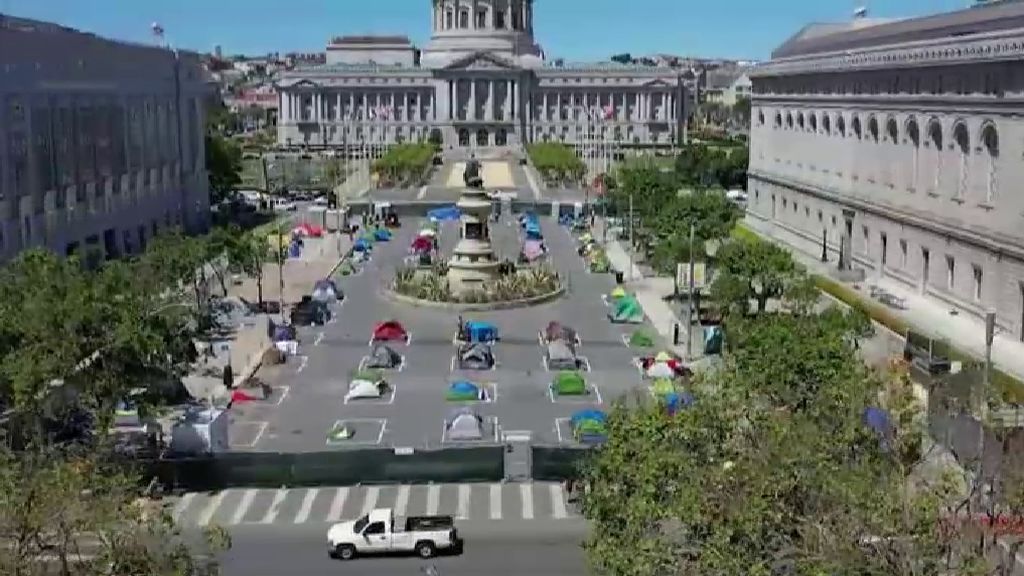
(465, 424)
(476, 356)
(561, 356)
(383, 357)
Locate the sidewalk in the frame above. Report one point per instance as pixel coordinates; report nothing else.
(926, 314)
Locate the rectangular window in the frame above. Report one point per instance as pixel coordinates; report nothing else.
(885, 248)
(499, 20)
(950, 272)
(867, 239)
(978, 277)
(481, 19)
(903, 254)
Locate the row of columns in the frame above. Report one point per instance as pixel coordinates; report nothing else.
(646, 106)
(447, 15)
(315, 107)
(457, 110)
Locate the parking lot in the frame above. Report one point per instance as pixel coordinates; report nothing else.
(309, 391)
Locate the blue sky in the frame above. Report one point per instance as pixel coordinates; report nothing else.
(572, 29)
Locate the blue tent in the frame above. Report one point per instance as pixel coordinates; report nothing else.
(464, 391)
(294, 250)
(590, 426)
(879, 421)
(445, 213)
(361, 245)
(481, 331)
(534, 234)
(674, 401)
(382, 234)
(588, 414)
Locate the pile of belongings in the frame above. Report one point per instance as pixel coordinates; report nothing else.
(476, 356)
(340, 431)
(475, 331)
(285, 338)
(569, 383)
(561, 355)
(326, 290)
(663, 365)
(362, 245)
(558, 331)
(382, 234)
(566, 219)
(586, 244)
(346, 268)
(383, 357)
(597, 261)
(640, 339)
(626, 311)
(309, 312)
(444, 214)
(465, 391)
(391, 219)
(307, 230)
(421, 244)
(363, 388)
(675, 401)
(464, 424)
(390, 331)
(532, 251)
(589, 426)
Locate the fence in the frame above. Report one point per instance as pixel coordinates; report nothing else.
(335, 468)
(287, 171)
(557, 462)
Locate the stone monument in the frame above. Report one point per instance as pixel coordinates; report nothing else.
(473, 265)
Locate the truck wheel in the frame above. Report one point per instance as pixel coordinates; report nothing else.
(345, 552)
(425, 549)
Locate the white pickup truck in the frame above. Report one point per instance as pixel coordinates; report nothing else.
(379, 533)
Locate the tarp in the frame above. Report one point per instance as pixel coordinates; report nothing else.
(660, 370)
(464, 391)
(421, 244)
(481, 331)
(476, 356)
(294, 250)
(590, 414)
(628, 310)
(675, 401)
(534, 233)
(383, 357)
(240, 397)
(364, 389)
(444, 213)
(618, 292)
(382, 234)
(307, 229)
(590, 426)
(390, 330)
(533, 249)
(283, 333)
(569, 384)
(557, 331)
(465, 424)
(326, 291)
(361, 245)
(560, 356)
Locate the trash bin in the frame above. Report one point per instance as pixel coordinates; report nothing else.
(620, 277)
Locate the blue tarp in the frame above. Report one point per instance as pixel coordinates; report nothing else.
(283, 333)
(361, 246)
(880, 423)
(464, 387)
(676, 400)
(481, 331)
(534, 234)
(445, 213)
(294, 250)
(589, 414)
(382, 234)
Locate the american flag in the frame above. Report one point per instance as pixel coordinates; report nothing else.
(158, 30)
(608, 112)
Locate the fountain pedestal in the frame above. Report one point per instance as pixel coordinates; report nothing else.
(473, 265)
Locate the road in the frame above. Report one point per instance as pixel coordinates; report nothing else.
(492, 549)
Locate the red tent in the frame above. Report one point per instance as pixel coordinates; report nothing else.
(310, 230)
(422, 244)
(390, 331)
(238, 397)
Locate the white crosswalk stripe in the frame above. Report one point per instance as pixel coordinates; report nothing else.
(538, 501)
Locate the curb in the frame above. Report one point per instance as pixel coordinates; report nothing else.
(475, 306)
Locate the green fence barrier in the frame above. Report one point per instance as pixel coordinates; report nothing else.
(335, 468)
(551, 463)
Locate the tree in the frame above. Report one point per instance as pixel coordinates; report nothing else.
(436, 139)
(248, 255)
(624, 58)
(556, 162)
(223, 165)
(741, 110)
(752, 269)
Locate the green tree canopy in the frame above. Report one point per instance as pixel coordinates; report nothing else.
(754, 270)
(556, 162)
(223, 165)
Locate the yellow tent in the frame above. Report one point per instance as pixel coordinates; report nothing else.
(618, 292)
(663, 357)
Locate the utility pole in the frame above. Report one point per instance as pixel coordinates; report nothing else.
(280, 268)
(630, 251)
(689, 302)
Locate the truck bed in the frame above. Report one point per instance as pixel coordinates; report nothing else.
(428, 523)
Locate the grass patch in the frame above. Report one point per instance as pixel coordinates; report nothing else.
(741, 232)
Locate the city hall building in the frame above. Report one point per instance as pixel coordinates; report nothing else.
(481, 80)
(901, 143)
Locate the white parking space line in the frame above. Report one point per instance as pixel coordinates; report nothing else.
(433, 499)
(307, 505)
(402, 499)
(182, 505)
(463, 511)
(526, 496)
(282, 394)
(372, 495)
(495, 501)
(337, 505)
(422, 193)
(243, 506)
(319, 338)
(584, 363)
(275, 506)
(558, 429)
(303, 360)
(211, 509)
(597, 392)
(558, 501)
(451, 365)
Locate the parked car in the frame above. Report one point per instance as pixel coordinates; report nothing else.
(379, 533)
(282, 205)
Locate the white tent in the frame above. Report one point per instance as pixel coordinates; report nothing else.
(428, 233)
(465, 424)
(660, 370)
(363, 389)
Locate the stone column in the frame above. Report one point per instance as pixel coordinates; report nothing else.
(489, 110)
(472, 99)
(507, 116)
(452, 93)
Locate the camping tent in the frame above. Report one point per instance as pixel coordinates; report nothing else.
(365, 389)
(421, 244)
(674, 401)
(561, 356)
(326, 291)
(480, 332)
(476, 356)
(557, 331)
(464, 391)
(618, 292)
(660, 370)
(533, 249)
(361, 245)
(308, 230)
(443, 214)
(383, 357)
(569, 383)
(382, 234)
(390, 331)
(627, 311)
(533, 232)
(590, 426)
(464, 424)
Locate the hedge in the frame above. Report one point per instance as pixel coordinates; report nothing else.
(405, 162)
(555, 161)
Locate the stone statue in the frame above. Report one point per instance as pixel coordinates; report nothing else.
(471, 176)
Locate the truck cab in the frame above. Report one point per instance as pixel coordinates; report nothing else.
(379, 533)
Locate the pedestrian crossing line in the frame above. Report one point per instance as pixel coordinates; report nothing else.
(275, 506)
(495, 501)
(526, 496)
(247, 498)
(402, 499)
(558, 501)
(372, 495)
(211, 508)
(337, 505)
(182, 505)
(463, 511)
(307, 506)
(433, 499)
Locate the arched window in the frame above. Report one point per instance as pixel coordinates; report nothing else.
(873, 129)
(841, 125)
(990, 147)
(464, 18)
(891, 131)
(789, 120)
(914, 139)
(826, 124)
(778, 119)
(858, 133)
(482, 137)
(448, 19)
(813, 122)
(800, 120)
(935, 141)
(962, 139)
(760, 118)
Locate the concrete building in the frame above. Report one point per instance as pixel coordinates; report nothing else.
(101, 142)
(726, 85)
(481, 80)
(902, 144)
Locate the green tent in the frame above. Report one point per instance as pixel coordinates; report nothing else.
(569, 384)
(628, 310)
(663, 387)
(590, 427)
(345, 268)
(340, 432)
(641, 339)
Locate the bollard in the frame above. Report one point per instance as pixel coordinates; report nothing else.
(675, 334)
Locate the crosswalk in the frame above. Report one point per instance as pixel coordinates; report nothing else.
(284, 506)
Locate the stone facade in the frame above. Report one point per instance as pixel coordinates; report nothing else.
(101, 143)
(482, 81)
(903, 143)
